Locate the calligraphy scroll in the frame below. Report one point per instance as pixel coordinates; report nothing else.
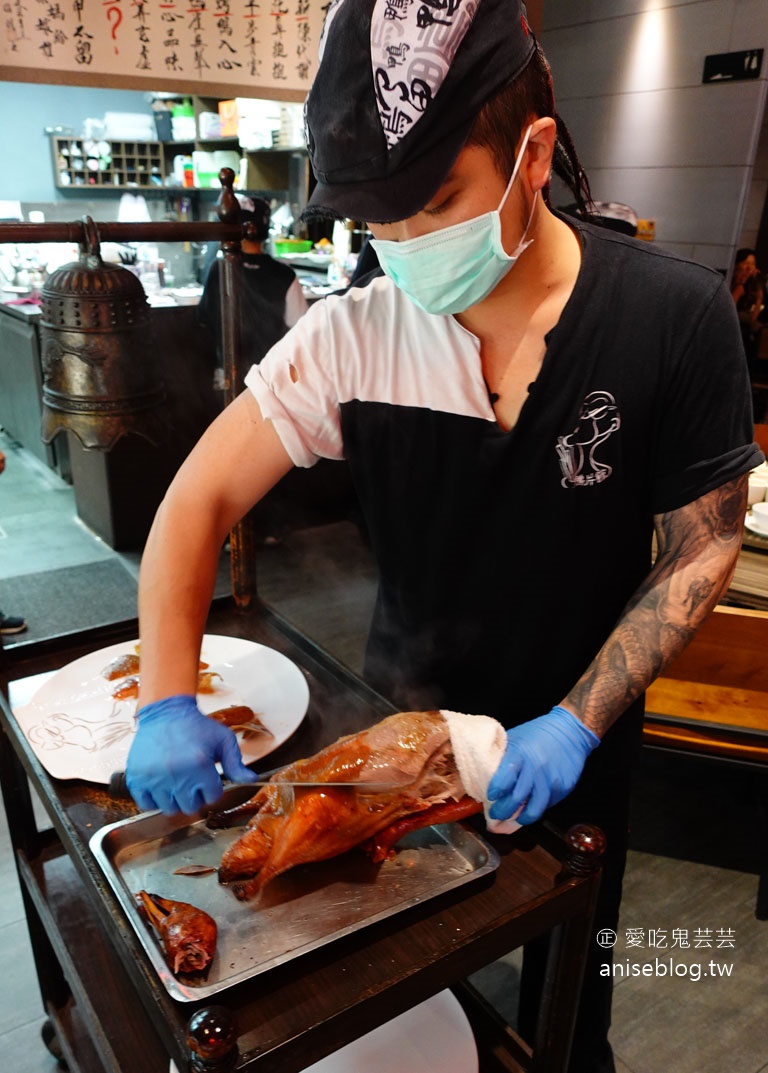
(249, 48)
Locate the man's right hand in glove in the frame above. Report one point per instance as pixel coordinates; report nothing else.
(172, 762)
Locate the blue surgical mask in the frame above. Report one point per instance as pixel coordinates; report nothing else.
(449, 270)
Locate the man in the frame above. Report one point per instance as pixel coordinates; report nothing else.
(272, 299)
(522, 401)
(748, 293)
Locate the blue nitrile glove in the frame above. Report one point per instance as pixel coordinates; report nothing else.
(172, 762)
(541, 765)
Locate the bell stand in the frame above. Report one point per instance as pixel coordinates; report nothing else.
(228, 231)
(241, 542)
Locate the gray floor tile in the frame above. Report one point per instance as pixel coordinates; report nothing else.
(39, 527)
(621, 1067)
(11, 906)
(695, 1021)
(58, 499)
(37, 543)
(668, 1022)
(323, 580)
(21, 1011)
(24, 473)
(24, 1051)
(500, 984)
(20, 1000)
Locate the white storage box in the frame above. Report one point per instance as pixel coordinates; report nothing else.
(129, 127)
(209, 125)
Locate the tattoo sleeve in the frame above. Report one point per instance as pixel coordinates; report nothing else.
(697, 549)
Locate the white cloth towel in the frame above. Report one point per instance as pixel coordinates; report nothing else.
(478, 743)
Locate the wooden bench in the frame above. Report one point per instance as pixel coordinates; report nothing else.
(713, 701)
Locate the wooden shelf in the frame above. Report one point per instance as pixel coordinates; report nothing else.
(148, 166)
(232, 142)
(129, 165)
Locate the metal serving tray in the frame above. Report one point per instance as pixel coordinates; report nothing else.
(300, 911)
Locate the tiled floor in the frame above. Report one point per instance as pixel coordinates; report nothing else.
(663, 1023)
(39, 527)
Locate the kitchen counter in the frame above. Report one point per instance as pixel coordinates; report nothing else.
(21, 383)
(117, 492)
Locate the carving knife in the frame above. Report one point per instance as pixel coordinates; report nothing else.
(118, 786)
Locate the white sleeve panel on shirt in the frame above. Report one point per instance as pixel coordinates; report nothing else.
(373, 345)
(294, 391)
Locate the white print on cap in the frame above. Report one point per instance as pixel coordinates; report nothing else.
(412, 45)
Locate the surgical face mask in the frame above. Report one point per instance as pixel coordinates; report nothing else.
(449, 270)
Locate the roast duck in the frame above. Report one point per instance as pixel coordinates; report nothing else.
(411, 751)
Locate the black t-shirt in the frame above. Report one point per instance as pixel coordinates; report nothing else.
(262, 304)
(506, 558)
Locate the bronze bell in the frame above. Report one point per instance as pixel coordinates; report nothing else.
(100, 377)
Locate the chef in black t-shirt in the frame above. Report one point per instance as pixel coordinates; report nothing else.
(271, 300)
(524, 401)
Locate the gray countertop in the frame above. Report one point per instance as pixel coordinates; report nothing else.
(27, 312)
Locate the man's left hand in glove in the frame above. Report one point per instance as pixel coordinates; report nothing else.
(541, 765)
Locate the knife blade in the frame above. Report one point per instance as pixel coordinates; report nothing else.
(368, 787)
(119, 788)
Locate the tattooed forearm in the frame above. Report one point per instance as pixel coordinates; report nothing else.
(698, 546)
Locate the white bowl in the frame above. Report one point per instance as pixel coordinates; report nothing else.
(760, 513)
(758, 489)
(186, 296)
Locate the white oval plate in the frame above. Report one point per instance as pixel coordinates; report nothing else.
(433, 1037)
(78, 731)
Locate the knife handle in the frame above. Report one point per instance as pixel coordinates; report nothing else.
(118, 787)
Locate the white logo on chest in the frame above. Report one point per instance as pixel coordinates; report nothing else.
(599, 418)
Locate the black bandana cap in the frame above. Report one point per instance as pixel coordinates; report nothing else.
(398, 88)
